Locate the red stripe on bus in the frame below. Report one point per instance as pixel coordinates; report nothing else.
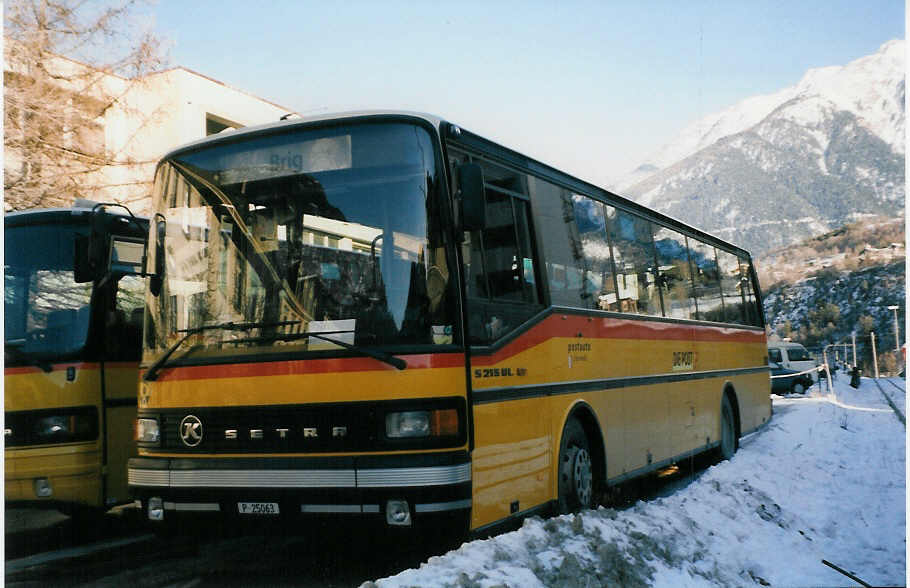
(307, 366)
(570, 326)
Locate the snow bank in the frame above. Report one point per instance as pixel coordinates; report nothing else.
(825, 480)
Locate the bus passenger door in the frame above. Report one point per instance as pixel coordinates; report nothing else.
(121, 351)
(511, 457)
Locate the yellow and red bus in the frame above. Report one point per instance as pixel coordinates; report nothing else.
(72, 342)
(386, 316)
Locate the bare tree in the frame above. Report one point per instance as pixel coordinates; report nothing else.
(70, 68)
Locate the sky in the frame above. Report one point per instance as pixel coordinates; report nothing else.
(592, 88)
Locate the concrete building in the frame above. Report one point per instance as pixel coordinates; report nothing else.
(114, 154)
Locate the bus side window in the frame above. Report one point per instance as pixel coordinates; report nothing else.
(674, 273)
(634, 258)
(731, 287)
(501, 283)
(707, 281)
(753, 311)
(562, 244)
(599, 286)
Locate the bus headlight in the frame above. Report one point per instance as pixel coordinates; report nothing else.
(147, 431)
(60, 428)
(421, 423)
(54, 426)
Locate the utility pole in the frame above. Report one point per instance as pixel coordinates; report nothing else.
(854, 348)
(897, 337)
(874, 356)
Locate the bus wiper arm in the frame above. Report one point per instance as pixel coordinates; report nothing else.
(152, 372)
(395, 362)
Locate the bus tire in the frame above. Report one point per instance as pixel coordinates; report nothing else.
(576, 470)
(728, 442)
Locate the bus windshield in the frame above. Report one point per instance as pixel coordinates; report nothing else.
(332, 230)
(46, 313)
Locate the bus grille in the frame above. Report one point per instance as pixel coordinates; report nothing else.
(323, 428)
(274, 430)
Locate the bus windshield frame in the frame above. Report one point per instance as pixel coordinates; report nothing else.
(334, 230)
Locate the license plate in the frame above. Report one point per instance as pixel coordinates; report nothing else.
(258, 508)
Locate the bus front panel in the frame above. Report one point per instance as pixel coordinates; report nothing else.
(303, 354)
(52, 434)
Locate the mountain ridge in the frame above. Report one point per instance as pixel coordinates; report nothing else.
(752, 110)
(825, 154)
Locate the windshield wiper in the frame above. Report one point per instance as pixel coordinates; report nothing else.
(152, 372)
(388, 358)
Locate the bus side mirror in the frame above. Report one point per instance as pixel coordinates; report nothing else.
(157, 277)
(126, 256)
(472, 197)
(94, 252)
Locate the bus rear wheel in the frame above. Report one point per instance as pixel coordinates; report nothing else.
(727, 430)
(576, 471)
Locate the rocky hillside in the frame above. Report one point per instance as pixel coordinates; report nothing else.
(871, 242)
(776, 169)
(823, 290)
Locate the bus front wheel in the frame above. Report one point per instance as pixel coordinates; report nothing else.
(576, 473)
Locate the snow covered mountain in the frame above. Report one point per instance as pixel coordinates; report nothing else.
(775, 169)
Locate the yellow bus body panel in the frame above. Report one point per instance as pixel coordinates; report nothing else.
(659, 401)
(121, 381)
(641, 423)
(73, 469)
(511, 461)
(265, 390)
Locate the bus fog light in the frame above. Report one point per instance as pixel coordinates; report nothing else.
(43, 488)
(156, 509)
(397, 512)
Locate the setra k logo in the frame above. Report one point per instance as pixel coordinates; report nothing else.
(191, 430)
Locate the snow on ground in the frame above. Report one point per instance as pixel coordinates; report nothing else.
(824, 480)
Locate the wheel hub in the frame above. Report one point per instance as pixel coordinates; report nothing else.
(582, 477)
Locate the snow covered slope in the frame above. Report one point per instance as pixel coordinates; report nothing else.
(825, 480)
(774, 169)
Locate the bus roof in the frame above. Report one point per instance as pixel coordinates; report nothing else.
(45, 215)
(458, 133)
(40, 216)
(299, 122)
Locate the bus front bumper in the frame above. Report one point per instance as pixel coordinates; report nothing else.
(400, 488)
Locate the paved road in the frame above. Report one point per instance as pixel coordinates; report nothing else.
(44, 548)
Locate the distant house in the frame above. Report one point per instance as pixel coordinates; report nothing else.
(871, 254)
(114, 153)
